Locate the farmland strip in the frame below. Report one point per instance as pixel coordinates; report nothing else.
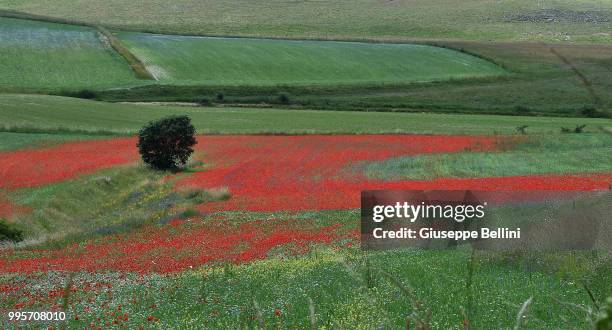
(135, 63)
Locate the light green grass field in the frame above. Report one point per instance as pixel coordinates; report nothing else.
(38, 113)
(14, 140)
(561, 154)
(584, 20)
(47, 56)
(231, 61)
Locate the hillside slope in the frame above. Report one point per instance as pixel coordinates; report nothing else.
(547, 20)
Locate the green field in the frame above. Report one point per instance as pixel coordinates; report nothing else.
(542, 154)
(12, 140)
(230, 61)
(38, 113)
(47, 56)
(548, 20)
(347, 290)
(538, 83)
(526, 79)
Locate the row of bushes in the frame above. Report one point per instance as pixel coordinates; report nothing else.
(586, 111)
(578, 129)
(282, 98)
(206, 96)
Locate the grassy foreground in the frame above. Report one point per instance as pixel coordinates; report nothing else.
(230, 61)
(47, 56)
(585, 20)
(330, 289)
(37, 113)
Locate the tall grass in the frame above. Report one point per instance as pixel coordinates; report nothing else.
(118, 200)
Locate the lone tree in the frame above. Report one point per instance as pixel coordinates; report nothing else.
(166, 144)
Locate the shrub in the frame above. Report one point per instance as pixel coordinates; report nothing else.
(283, 98)
(220, 97)
(166, 144)
(522, 129)
(204, 102)
(9, 231)
(85, 94)
(592, 112)
(578, 129)
(521, 110)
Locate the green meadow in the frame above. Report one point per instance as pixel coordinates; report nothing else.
(539, 154)
(230, 61)
(49, 114)
(52, 57)
(513, 20)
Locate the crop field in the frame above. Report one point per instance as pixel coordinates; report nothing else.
(549, 20)
(536, 83)
(231, 61)
(499, 78)
(53, 114)
(47, 56)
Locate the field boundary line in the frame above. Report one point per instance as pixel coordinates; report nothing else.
(42, 18)
(135, 63)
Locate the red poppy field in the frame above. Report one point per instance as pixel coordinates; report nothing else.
(263, 174)
(34, 168)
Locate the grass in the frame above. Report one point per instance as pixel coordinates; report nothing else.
(230, 61)
(118, 200)
(275, 293)
(314, 74)
(38, 113)
(13, 141)
(565, 154)
(538, 83)
(54, 57)
(515, 20)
